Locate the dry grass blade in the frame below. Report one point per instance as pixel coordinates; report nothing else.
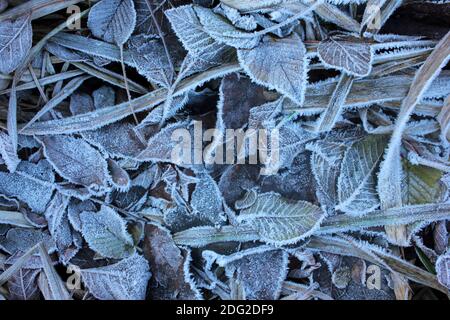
(57, 287)
(332, 13)
(337, 102)
(73, 85)
(110, 77)
(4, 277)
(112, 114)
(14, 218)
(45, 81)
(341, 246)
(37, 8)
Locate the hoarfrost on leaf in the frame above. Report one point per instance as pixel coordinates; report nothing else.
(75, 160)
(261, 271)
(223, 31)
(112, 20)
(31, 183)
(106, 233)
(167, 263)
(15, 42)
(207, 200)
(443, 269)
(348, 53)
(279, 64)
(190, 31)
(280, 221)
(357, 192)
(125, 280)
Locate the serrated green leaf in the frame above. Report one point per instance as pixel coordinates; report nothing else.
(421, 184)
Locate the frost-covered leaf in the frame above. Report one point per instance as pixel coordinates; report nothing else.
(169, 265)
(113, 20)
(7, 152)
(119, 177)
(421, 185)
(23, 285)
(279, 64)
(348, 53)
(261, 116)
(207, 200)
(14, 218)
(281, 221)
(291, 140)
(326, 165)
(75, 208)
(290, 182)
(106, 233)
(15, 42)
(248, 5)
(161, 146)
(440, 237)
(125, 280)
(59, 227)
(357, 192)
(260, 270)
(326, 176)
(443, 269)
(31, 183)
(190, 31)
(148, 55)
(75, 160)
(223, 31)
(179, 218)
(103, 97)
(236, 180)
(55, 213)
(144, 17)
(245, 22)
(117, 140)
(65, 54)
(19, 239)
